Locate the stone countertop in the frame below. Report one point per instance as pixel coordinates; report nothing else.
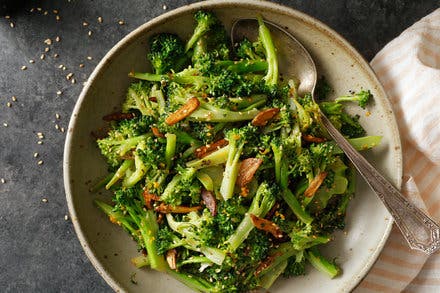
(39, 251)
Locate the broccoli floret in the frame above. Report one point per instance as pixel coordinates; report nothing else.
(296, 266)
(237, 138)
(362, 98)
(167, 51)
(205, 21)
(304, 236)
(262, 202)
(322, 89)
(184, 188)
(138, 98)
(246, 50)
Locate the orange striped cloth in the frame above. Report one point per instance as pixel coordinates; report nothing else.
(409, 69)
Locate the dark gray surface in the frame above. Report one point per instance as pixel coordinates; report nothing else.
(39, 251)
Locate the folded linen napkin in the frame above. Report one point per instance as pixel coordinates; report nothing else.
(409, 69)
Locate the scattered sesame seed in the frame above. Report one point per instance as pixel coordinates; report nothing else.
(14, 98)
(164, 7)
(2, 180)
(39, 142)
(55, 11)
(85, 23)
(40, 162)
(121, 22)
(32, 10)
(89, 33)
(57, 127)
(32, 61)
(81, 65)
(48, 41)
(11, 24)
(62, 129)
(66, 217)
(73, 80)
(8, 104)
(57, 39)
(39, 8)
(55, 55)
(57, 116)
(40, 135)
(47, 49)
(24, 67)
(44, 200)
(57, 17)
(69, 76)
(7, 17)
(64, 68)
(42, 56)
(99, 19)
(36, 155)
(89, 58)
(60, 66)
(59, 92)
(5, 124)
(45, 12)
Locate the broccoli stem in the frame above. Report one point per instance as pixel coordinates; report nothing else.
(221, 115)
(206, 180)
(271, 77)
(157, 93)
(101, 183)
(193, 282)
(179, 77)
(359, 143)
(296, 207)
(140, 261)
(284, 252)
(195, 259)
(215, 158)
(170, 149)
(120, 173)
(277, 156)
(137, 175)
(243, 66)
(321, 264)
(116, 217)
(231, 169)
(248, 103)
(272, 275)
(130, 143)
(260, 206)
(185, 138)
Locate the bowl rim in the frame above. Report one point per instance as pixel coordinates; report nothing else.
(211, 4)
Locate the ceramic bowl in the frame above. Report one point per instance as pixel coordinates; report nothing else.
(109, 248)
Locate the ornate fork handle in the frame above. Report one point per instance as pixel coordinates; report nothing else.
(421, 232)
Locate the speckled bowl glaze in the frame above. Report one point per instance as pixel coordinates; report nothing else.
(109, 248)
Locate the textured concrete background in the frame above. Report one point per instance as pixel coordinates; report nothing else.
(39, 251)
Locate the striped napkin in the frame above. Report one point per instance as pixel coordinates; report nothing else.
(409, 69)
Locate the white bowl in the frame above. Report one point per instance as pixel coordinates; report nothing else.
(109, 248)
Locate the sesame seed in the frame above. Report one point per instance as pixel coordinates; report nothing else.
(44, 200)
(36, 155)
(89, 58)
(48, 41)
(121, 22)
(57, 17)
(45, 12)
(60, 66)
(5, 124)
(32, 10)
(8, 104)
(55, 55)
(42, 56)
(11, 24)
(7, 17)
(164, 7)
(59, 92)
(62, 129)
(40, 135)
(39, 142)
(85, 23)
(57, 127)
(55, 11)
(47, 49)
(40, 162)
(57, 39)
(39, 8)
(14, 98)
(32, 61)
(24, 67)
(73, 80)
(66, 217)
(2, 180)
(89, 33)
(81, 65)
(69, 76)
(57, 116)
(99, 19)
